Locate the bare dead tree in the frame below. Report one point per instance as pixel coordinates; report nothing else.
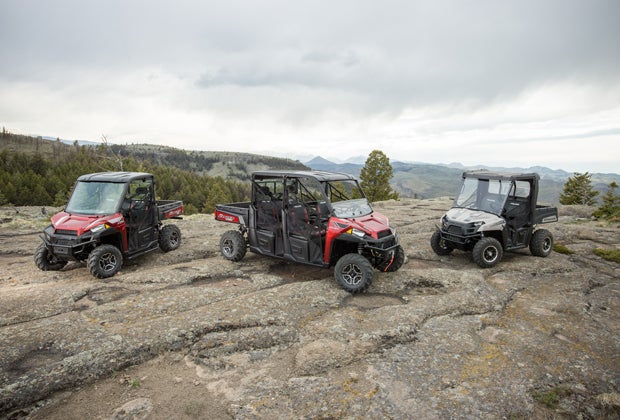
(117, 158)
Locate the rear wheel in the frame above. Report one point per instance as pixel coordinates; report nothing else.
(541, 243)
(44, 259)
(104, 261)
(232, 245)
(353, 273)
(487, 252)
(439, 245)
(169, 238)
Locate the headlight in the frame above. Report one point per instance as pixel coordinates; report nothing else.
(99, 228)
(357, 232)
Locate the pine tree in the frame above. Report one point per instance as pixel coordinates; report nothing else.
(375, 177)
(610, 209)
(216, 195)
(578, 190)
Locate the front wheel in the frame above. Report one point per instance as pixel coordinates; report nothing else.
(169, 238)
(353, 273)
(397, 261)
(439, 244)
(232, 245)
(487, 252)
(541, 243)
(104, 261)
(46, 261)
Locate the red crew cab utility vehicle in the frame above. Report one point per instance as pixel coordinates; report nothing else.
(312, 217)
(110, 216)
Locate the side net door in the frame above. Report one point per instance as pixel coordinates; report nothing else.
(141, 216)
(306, 226)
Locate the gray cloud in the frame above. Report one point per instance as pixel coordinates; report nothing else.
(395, 51)
(277, 64)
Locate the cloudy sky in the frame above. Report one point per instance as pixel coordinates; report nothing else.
(493, 82)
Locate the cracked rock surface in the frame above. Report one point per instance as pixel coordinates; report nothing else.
(188, 334)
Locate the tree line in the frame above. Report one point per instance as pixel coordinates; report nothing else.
(28, 179)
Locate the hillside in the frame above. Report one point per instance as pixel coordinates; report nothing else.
(229, 165)
(424, 180)
(37, 171)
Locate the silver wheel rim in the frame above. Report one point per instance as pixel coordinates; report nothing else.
(108, 262)
(227, 247)
(546, 246)
(352, 274)
(174, 239)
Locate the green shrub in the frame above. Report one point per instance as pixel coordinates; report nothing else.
(551, 398)
(608, 254)
(562, 249)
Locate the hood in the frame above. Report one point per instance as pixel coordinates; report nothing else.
(81, 223)
(463, 215)
(372, 223)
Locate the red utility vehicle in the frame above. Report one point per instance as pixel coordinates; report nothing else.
(110, 216)
(312, 217)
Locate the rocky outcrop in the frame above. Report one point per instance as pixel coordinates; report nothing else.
(263, 338)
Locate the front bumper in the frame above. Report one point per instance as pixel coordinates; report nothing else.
(461, 236)
(382, 250)
(65, 245)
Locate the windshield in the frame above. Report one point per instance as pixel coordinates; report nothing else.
(347, 199)
(95, 198)
(352, 208)
(483, 194)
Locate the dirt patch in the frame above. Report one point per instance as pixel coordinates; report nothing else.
(188, 334)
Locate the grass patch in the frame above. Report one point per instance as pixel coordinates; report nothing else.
(134, 383)
(551, 398)
(562, 249)
(608, 254)
(195, 409)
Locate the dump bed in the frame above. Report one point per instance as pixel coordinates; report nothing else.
(169, 209)
(545, 214)
(233, 213)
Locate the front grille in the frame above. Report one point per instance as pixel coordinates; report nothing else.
(65, 242)
(384, 234)
(455, 230)
(385, 244)
(66, 232)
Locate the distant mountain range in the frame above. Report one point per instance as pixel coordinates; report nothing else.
(425, 180)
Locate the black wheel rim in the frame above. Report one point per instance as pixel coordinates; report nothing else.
(490, 254)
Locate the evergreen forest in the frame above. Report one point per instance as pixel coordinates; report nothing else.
(39, 172)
